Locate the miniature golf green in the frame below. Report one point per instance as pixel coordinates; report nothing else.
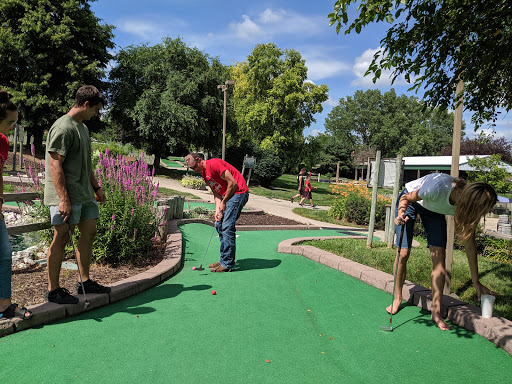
(172, 164)
(210, 206)
(279, 319)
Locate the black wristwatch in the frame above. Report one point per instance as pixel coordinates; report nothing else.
(96, 189)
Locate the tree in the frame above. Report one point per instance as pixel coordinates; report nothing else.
(484, 145)
(48, 49)
(435, 43)
(273, 103)
(489, 170)
(165, 97)
(390, 123)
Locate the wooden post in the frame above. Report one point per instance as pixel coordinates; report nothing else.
(14, 148)
(338, 173)
(396, 190)
(374, 200)
(450, 222)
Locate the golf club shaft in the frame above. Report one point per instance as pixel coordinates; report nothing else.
(77, 263)
(208, 246)
(397, 260)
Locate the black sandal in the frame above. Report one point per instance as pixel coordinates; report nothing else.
(10, 312)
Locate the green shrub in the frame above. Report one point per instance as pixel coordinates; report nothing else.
(497, 249)
(268, 168)
(352, 203)
(194, 182)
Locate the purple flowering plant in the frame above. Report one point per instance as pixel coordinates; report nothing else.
(128, 218)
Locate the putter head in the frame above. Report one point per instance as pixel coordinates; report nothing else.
(199, 269)
(387, 329)
(86, 304)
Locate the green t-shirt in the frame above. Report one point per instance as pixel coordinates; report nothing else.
(71, 140)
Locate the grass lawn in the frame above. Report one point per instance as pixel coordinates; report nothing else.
(493, 274)
(173, 192)
(285, 186)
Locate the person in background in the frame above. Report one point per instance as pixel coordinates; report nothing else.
(231, 194)
(300, 184)
(432, 197)
(307, 192)
(8, 309)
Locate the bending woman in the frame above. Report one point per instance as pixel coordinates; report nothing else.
(432, 197)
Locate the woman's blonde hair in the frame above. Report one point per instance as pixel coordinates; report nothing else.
(474, 201)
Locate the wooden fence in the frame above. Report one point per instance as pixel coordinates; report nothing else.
(24, 228)
(174, 211)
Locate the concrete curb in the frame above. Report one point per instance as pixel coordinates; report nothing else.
(496, 329)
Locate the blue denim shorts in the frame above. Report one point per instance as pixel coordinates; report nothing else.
(434, 224)
(5, 262)
(81, 212)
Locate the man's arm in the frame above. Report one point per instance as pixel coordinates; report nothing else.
(59, 182)
(231, 188)
(100, 196)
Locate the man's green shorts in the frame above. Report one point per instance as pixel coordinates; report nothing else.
(85, 211)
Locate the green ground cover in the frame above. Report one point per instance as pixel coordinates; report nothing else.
(279, 319)
(493, 274)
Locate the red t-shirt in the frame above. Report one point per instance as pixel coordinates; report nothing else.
(4, 150)
(214, 168)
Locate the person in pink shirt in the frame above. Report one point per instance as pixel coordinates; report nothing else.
(231, 194)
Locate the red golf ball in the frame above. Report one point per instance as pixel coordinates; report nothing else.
(214, 292)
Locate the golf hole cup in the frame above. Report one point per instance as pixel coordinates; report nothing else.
(487, 305)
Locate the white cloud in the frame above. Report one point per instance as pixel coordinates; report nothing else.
(316, 132)
(361, 65)
(269, 16)
(143, 29)
(330, 102)
(272, 23)
(247, 29)
(321, 69)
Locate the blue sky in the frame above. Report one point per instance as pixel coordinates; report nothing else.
(230, 29)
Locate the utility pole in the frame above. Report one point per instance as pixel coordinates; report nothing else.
(224, 87)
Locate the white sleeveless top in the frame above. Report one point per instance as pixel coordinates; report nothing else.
(434, 190)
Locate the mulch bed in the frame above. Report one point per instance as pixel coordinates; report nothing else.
(29, 284)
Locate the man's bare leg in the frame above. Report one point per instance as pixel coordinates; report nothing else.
(85, 245)
(55, 255)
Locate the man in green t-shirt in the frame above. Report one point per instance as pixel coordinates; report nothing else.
(70, 190)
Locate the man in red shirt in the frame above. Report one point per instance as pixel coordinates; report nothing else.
(231, 194)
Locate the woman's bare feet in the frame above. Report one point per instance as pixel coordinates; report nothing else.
(440, 322)
(396, 306)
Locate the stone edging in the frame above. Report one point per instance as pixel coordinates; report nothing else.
(496, 329)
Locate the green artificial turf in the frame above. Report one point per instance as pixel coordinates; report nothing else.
(279, 319)
(171, 164)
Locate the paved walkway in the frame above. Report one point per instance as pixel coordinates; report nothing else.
(278, 207)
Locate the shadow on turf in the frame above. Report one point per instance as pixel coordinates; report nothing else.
(135, 305)
(251, 263)
(420, 319)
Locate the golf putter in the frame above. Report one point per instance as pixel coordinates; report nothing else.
(389, 328)
(208, 246)
(86, 302)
